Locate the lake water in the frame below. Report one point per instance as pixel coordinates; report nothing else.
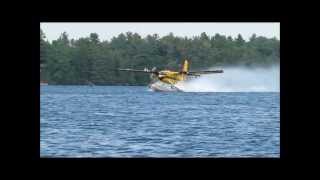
(132, 121)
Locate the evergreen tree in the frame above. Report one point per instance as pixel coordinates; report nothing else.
(240, 41)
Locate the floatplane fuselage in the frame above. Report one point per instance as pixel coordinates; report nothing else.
(166, 80)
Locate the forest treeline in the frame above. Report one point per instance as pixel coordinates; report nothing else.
(89, 60)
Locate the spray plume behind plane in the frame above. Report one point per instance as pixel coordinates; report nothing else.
(236, 79)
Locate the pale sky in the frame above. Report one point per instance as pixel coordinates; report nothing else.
(108, 30)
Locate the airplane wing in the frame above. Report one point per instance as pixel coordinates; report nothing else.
(204, 72)
(135, 70)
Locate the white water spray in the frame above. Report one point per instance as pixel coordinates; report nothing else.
(236, 79)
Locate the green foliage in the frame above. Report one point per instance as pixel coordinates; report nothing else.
(91, 61)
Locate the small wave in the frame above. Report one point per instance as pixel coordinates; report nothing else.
(104, 114)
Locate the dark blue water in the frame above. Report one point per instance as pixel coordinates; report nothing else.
(126, 121)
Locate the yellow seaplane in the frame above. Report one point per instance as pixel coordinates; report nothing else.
(166, 80)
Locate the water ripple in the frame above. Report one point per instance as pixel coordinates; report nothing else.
(113, 121)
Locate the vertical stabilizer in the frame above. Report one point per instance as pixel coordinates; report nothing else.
(185, 67)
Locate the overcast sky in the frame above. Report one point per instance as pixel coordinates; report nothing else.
(108, 30)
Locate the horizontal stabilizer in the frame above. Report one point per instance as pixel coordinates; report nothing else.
(204, 72)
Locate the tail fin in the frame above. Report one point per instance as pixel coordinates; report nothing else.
(185, 67)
